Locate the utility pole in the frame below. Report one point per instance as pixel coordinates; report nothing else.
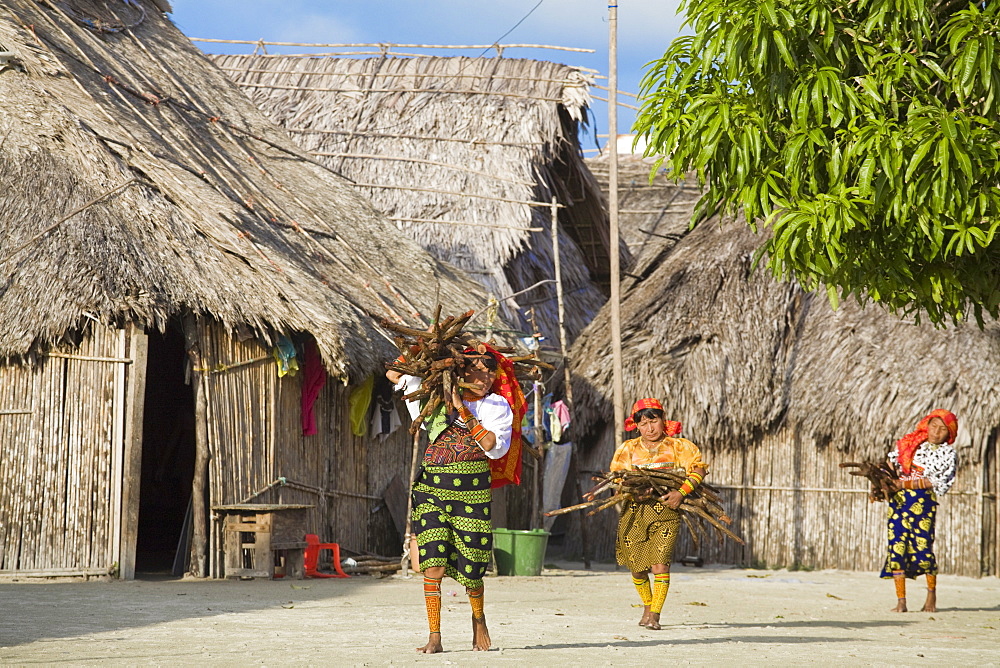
(616, 316)
(574, 467)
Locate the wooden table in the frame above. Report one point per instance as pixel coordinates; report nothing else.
(256, 535)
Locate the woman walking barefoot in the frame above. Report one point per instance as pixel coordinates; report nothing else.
(647, 530)
(470, 439)
(926, 467)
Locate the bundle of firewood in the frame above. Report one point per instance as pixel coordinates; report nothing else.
(440, 354)
(882, 477)
(699, 508)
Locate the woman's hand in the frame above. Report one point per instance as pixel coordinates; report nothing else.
(456, 400)
(673, 499)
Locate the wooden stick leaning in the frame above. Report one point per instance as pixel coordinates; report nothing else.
(699, 508)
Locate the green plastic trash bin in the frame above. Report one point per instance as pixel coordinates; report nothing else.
(519, 552)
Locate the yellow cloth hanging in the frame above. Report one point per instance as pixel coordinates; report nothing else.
(358, 403)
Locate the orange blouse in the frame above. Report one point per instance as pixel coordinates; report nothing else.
(670, 452)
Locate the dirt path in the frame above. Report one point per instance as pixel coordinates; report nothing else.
(567, 616)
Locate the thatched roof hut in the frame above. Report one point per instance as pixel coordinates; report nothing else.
(202, 204)
(653, 215)
(778, 388)
(157, 228)
(463, 154)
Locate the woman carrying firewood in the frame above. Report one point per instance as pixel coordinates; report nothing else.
(926, 469)
(647, 530)
(451, 495)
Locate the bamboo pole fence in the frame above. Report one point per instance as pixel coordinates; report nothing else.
(61, 469)
(792, 504)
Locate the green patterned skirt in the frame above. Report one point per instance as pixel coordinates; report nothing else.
(451, 517)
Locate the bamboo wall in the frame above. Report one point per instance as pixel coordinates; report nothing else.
(795, 508)
(61, 455)
(255, 436)
(60, 462)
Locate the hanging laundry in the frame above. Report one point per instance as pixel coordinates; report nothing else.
(528, 423)
(561, 417)
(358, 403)
(313, 380)
(284, 355)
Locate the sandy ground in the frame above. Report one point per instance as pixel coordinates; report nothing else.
(566, 616)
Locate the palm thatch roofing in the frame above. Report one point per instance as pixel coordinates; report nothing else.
(653, 214)
(735, 355)
(458, 152)
(139, 183)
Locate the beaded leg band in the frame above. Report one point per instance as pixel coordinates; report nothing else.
(432, 599)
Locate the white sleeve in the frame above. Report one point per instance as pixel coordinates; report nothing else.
(940, 469)
(410, 384)
(494, 414)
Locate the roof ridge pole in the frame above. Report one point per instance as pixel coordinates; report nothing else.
(616, 319)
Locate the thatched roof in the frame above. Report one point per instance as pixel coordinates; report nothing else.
(735, 355)
(455, 150)
(190, 199)
(653, 215)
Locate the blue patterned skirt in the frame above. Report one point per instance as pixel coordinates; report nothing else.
(911, 533)
(451, 517)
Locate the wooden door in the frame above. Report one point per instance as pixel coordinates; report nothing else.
(62, 430)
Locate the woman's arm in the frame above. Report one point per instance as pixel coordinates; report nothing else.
(491, 425)
(674, 498)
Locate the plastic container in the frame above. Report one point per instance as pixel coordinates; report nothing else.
(519, 552)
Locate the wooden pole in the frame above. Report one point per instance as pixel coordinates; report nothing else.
(118, 453)
(407, 535)
(568, 382)
(537, 387)
(132, 472)
(199, 539)
(616, 318)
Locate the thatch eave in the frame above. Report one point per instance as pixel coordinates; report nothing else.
(213, 211)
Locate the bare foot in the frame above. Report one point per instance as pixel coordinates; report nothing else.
(433, 645)
(930, 605)
(645, 616)
(654, 621)
(480, 634)
(900, 605)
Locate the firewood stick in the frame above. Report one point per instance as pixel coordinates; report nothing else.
(570, 509)
(691, 529)
(607, 504)
(406, 331)
(714, 522)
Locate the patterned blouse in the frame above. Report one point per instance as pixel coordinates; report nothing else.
(937, 463)
(670, 452)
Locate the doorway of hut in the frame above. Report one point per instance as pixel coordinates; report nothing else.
(168, 453)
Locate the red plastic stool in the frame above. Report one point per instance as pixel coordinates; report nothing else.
(311, 559)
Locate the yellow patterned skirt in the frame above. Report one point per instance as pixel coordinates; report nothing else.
(647, 532)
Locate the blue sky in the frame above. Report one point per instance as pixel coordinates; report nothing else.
(645, 29)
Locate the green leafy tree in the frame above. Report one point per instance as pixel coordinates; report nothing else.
(863, 133)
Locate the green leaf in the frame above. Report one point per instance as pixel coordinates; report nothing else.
(786, 55)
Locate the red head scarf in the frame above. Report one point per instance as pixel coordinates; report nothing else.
(507, 469)
(908, 445)
(671, 427)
